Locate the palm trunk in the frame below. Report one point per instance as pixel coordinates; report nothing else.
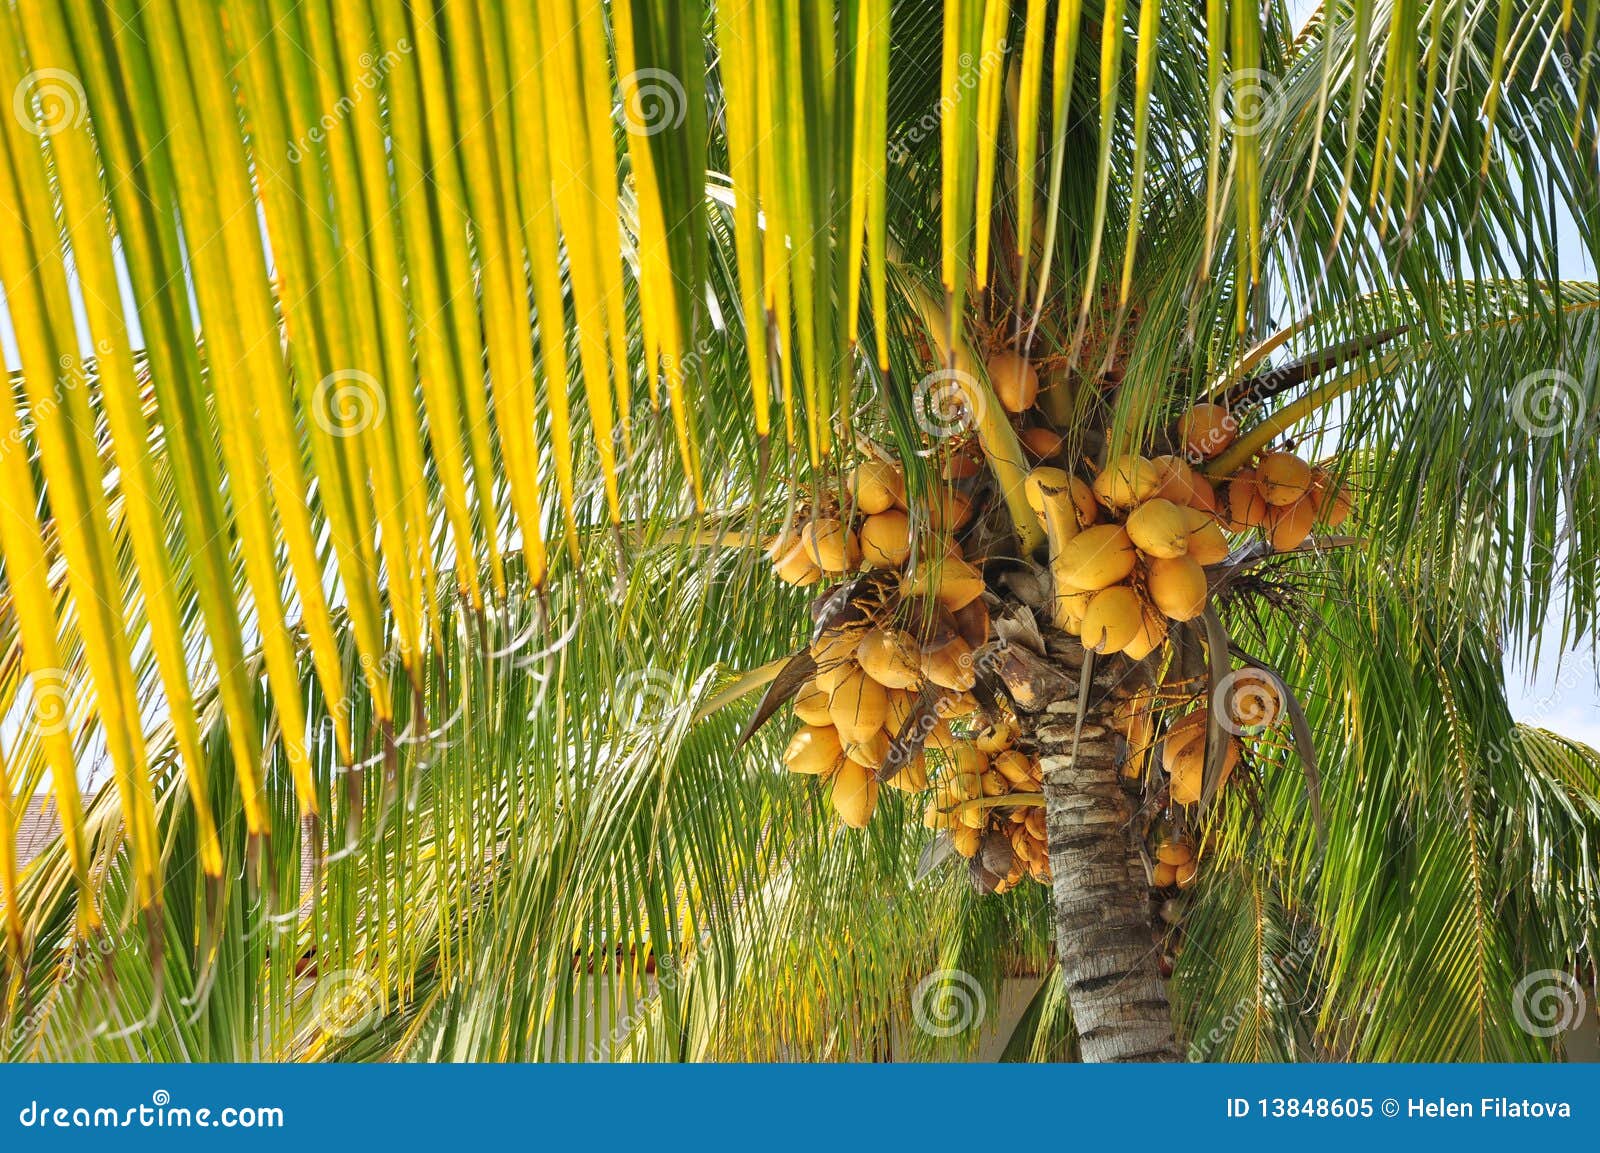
(1108, 959)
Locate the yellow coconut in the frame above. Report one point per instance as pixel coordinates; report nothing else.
(886, 539)
(1113, 618)
(796, 568)
(967, 841)
(1014, 766)
(1186, 873)
(949, 665)
(962, 462)
(1014, 380)
(1202, 495)
(1175, 479)
(831, 677)
(835, 645)
(858, 707)
(1284, 478)
(1096, 558)
(1247, 508)
(912, 776)
(1070, 605)
(870, 752)
(811, 704)
(1208, 544)
(1177, 586)
(890, 657)
(934, 818)
(951, 580)
(1206, 430)
(1333, 503)
(814, 749)
(1185, 763)
(1175, 851)
(1125, 481)
(831, 546)
(876, 486)
(996, 738)
(1163, 875)
(948, 510)
(995, 784)
(1289, 525)
(1152, 632)
(953, 705)
(1159, 528)
(855, 794)
(1041, 442)
(1041, 480)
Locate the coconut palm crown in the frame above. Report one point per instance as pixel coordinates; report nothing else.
(461, 454)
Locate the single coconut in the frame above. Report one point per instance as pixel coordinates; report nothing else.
(1289, 525)
(1247, 507)
(1070, 605)
(1042, 480)
(1152, 632)
(886, 539)
(1284, 478)
(1159, 528)
(831, 546)
(1014, 766)
(1163, 876)
(1113, 618)
(950, 580)
(877, 486)
(814, 749)
(796, 568)
(912, 775)
(997, 737)
(855, 794)
(1208, 544)
(966, 841)
(1126, 481)
(949, 665)
(1014, 380)
(811, 704)
(890, 657)
(1097, 557)
(1041, 442)
(1177, 586)
(948, 510)
(1206, 430)
(858, 707)
(870, 752)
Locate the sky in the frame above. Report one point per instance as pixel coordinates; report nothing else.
(1560, 692)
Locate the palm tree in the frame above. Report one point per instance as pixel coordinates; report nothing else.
(407, 393)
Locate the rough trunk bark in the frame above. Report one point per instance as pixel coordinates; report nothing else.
(1109, 959)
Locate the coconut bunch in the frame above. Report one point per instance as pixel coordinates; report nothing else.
(1285, 498)
(1002, 843)
(1128, 549)
(892, 670)
(872, 528)
(1173, 857)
